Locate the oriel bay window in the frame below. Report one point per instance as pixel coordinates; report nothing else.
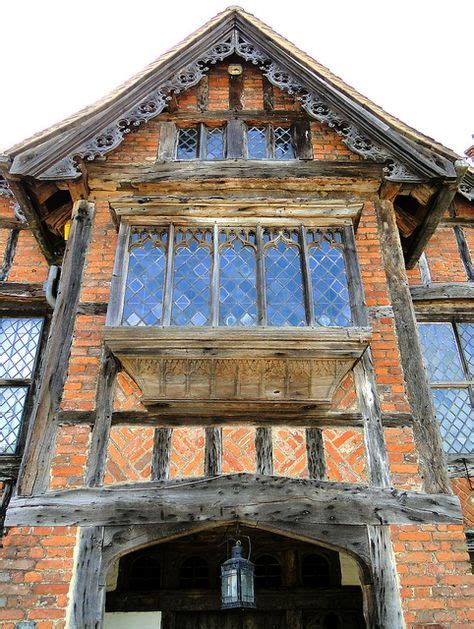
(220, 275)
(448, 352)
(19, 342)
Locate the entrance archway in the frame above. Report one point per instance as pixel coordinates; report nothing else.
(176, 585)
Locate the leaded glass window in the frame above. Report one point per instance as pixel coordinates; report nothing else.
(215, 143)
(187, 143)
(201, 142)
(448, 350)
(269, 142)
(19, 341)
(236, 276)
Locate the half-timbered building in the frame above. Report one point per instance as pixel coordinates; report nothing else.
(236, 303)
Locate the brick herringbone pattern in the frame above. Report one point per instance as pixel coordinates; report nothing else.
(289, 452)
(345, 396)
(127, 394)
(187, 452)
(238, 450)
(345, 457)
(466, 496)
(129, 454)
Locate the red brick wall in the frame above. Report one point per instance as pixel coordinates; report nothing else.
(443, 257)
(29, 264)
(436, 584)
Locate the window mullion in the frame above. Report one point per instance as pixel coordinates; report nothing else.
(465, 366)
(215, 277)
(270, 138)
(202, 147)
(307, 281)
(261, 288)
(168, 292)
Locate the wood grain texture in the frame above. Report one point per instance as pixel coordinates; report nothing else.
(244, 496)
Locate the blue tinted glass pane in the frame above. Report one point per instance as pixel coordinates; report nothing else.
(187, 143)
(328, 277)
(440, 352)
(283, 145)
(237, 279)
(19, 338)
(12, 402)
(466, 335)
(456, 418)
(256, 143)
(192, 278)
(215, 143)
(284, 288)
(144, 285)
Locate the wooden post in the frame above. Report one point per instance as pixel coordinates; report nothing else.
(88, 595)
(425, 427)
(315, 453)
(104, 406)
(35, 469)
(264, 450)
(213, 452)
(387, 612)
(160, 462)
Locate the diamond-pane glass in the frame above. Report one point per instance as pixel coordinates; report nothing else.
(283, 280)
(12, 402)
(144, 286)
(192, 278)
(187, 143)
(440, 352)
(237, 279)
(256, 143)
(328, 278)
(283, 145)
(19, 340)
(455, 414)
(215, 143)
(466, 336)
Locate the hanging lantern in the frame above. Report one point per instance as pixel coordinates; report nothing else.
(237, 590)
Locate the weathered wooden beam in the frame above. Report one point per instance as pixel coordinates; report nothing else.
(213, 451)
(464, 252)
(160, 460)
(264, 450)
(22, 292)
(34, 475)
(244, 496)
(425, 427)
(12, 223)
(315, 453)
(44, 239)
(8, 254)
(104, 403)
(460, 466)
(9, 466)
(92, 308)
(88, 595)
(387, 610)
(441, 203)
(442, 291)
(324, 419)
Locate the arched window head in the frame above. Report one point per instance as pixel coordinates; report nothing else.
(315, 571)
(267, 572)
(194, 573)
(144, 574)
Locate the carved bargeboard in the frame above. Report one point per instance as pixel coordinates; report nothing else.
(184, 371)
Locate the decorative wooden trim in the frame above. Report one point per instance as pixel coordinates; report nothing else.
(243, 496)
(34, 474)
(425, 427)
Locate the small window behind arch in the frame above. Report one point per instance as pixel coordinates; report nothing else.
(315, 571)
(144, 574)
(194, 573)
(267, 572)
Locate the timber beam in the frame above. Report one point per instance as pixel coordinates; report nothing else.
(442, 291)
(235, 496)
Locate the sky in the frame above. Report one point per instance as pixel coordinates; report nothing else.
(412, 57)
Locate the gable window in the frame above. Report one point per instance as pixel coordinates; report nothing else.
(200, 141)
(269, 142)
(448, 353)
(19, 341)
(236, 276)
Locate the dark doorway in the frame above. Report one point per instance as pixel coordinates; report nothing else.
(298, 585)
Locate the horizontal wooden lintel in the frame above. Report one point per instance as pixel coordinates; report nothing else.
(237, 496)
(442, 291)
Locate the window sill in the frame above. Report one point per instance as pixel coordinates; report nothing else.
(222, 371)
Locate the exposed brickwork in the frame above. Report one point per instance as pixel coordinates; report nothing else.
(435, 575)
(138, 147)
(289, 452)
(29, 264)
(344, 452)
(129, 454)
(462, 488)
(4, 235)
(345, 398)
(238, 449)
(328, 145)
(69, 463)
(218, 88)
(35, 573)
(403, 458)
(127, 394)
(6, 208)
(187, 452)
(253, 88)
(443, 257)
